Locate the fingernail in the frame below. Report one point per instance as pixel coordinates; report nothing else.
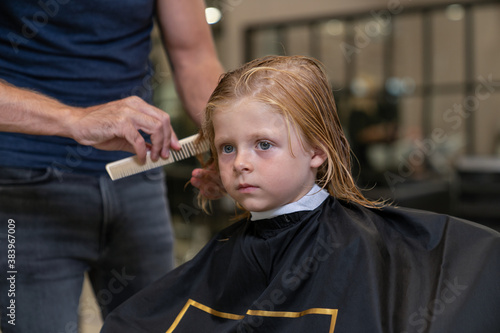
(165, 152)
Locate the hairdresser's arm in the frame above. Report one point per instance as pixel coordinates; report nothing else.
(190, 47)
(111, 126)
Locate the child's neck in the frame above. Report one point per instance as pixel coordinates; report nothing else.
(310, 201)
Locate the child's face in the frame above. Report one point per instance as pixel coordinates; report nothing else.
(256, 166)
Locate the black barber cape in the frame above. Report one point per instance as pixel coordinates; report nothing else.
(339, 268)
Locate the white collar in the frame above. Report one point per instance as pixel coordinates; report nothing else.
(310, 201)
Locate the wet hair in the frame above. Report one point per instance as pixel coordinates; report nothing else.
(297, 88)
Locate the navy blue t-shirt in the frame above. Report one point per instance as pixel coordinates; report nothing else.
(81, 52)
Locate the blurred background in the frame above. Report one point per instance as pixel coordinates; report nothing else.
(417, 85)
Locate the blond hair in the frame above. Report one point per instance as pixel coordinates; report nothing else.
(297, 88)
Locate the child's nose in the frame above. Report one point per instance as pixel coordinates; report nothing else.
(242, 162)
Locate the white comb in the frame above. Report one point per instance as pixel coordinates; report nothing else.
(130, 166)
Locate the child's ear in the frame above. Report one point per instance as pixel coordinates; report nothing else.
(318, 157)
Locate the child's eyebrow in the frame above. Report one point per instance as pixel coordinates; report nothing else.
(263, 134)
(257, 134)
(221, 138)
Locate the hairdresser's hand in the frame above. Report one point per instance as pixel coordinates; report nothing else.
(208, 182)
(116, 125)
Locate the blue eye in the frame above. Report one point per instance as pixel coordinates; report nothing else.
(264, 145)
(227, 149)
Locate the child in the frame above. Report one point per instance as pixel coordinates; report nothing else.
(311, 253)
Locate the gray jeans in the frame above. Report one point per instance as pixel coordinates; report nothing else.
(55, 227)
